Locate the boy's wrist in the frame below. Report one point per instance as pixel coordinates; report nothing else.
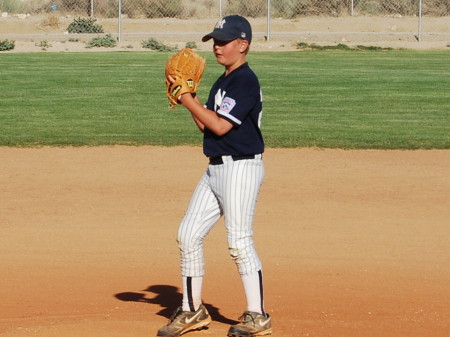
(187, 94)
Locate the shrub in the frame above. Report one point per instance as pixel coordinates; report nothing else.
(163, 8)
(370, 7)
(403, 7)
(102, 41)
(156, 45)
(84, 25)
(340, 46)
(12, 6)
(246, 8)
(44, 44)
(294, 8)
(191, 45)
(50, 22)
(437, 8)
(7, 45)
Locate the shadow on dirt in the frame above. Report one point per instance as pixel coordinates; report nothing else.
(168, 298)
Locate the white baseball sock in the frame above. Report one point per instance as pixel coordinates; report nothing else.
(192, 293)
(253, 287)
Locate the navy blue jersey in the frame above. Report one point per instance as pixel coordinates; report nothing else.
(238, 99)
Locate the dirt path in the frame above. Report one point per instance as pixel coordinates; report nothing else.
(383, 31)
(354, 243)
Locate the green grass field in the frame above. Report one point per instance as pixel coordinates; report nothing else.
(332, 99)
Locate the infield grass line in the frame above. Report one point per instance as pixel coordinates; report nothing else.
(332, 99)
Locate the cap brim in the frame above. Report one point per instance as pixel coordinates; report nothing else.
(221, 36)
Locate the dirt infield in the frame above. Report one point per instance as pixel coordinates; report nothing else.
(354, 243)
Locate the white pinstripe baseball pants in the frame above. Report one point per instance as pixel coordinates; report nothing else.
(230, 189)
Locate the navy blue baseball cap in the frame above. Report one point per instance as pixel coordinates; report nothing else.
(230, 28)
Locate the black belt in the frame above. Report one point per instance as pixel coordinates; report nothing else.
(219, 160)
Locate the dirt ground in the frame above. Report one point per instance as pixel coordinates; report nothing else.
(389, 31)
(354, 243)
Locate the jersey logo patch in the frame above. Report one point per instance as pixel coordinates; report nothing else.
(227, 105)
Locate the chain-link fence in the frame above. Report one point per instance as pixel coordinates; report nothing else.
(116, 11)
(216, 8)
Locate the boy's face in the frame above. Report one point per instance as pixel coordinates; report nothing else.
(229, 53)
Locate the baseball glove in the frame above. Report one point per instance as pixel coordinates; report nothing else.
(186, 69)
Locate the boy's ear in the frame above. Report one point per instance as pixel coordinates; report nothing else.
(243, 46)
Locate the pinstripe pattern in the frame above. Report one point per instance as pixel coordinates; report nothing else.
(230, 189)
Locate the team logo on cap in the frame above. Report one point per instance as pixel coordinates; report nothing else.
(243, 35)
(220, 24)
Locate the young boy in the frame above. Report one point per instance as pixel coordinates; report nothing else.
(230, 121)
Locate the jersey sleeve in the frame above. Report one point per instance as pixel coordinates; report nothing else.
(241, 96)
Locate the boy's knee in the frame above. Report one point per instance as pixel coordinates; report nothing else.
(242, 256)
(247, 261)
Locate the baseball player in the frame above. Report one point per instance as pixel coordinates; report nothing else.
(230, 122)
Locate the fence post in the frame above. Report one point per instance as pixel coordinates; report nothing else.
(119, 36)
(419, 33)
(268, 21)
